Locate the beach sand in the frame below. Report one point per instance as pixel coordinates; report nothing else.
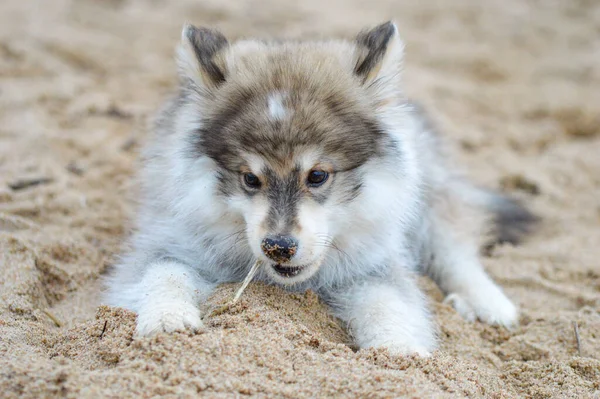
(516, 86)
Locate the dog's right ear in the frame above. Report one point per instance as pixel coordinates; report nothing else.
(197, 57)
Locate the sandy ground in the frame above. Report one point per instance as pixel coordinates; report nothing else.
(516, 83)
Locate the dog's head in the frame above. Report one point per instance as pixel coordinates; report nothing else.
(291, 129)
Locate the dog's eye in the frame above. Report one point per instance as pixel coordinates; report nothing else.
(316, 178)
(251, 180)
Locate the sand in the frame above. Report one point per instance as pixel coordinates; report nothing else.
(516, 84)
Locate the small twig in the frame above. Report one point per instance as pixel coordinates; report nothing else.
(103, 329)
(576, 328)
(247, 280)
(224, 308)
(52, 317)
(26, 183)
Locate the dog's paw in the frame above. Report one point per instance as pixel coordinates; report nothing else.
(404, 350)
(401, 344)
(400, 348)
(179, 317)
(491, 307)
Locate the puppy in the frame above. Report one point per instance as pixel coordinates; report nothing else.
(308, 157)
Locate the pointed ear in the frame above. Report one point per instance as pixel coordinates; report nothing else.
(382, 52)
(197, 56)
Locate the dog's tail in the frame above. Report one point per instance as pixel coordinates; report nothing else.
(511, 219)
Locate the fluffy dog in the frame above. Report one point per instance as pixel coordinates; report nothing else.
(308, 157)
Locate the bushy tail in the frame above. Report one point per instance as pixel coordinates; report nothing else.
(512, 220)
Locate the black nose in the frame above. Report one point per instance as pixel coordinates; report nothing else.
(279, 248)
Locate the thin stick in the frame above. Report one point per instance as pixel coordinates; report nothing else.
(576, 328)
(247, 280)
(52, 317)
(26, 183)
(240, 291)
(103, 329)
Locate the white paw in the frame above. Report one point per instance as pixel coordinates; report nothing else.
(173, 317)
(491, 307)
(404, 350)
(402, 344)
(396, 347)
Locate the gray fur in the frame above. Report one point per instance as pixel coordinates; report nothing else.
(512, 220)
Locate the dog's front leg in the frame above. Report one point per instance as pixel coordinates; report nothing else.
(167, 298)
(390, 314)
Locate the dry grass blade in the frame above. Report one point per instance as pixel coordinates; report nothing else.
(52, 317)
(246, 281)
(240, 291)
(577, 338)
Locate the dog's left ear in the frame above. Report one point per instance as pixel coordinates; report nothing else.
(380, 54)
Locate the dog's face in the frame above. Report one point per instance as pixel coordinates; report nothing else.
(286, 161)
(290, 129)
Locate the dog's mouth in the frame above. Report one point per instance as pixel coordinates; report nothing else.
(288, 271)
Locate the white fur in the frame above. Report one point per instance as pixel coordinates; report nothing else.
(379, 314)
(166, 299)
(277, 110)
(255, 163)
